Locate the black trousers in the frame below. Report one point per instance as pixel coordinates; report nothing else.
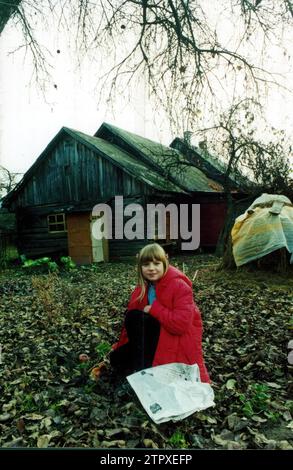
(143, 333)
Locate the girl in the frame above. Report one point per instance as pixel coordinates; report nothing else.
(162, 323)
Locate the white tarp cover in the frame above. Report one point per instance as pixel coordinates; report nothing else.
(266, 226)
(171, 391)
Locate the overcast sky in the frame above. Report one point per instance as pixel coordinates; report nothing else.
(29, 119)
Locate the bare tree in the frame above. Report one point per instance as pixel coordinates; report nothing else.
(8, 9)
(8, 180)
(254, 155)
(174, 44)
(237, 138)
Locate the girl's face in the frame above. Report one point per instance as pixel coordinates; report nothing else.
(153, 271)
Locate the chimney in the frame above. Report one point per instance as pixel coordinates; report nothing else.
(187, 137)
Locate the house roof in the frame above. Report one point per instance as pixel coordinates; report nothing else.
(109, 151)
(171, 163)
(125, 161)
(163, 168)
(209, 164)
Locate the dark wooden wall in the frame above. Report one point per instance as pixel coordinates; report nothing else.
(33, 238)
(72, 173)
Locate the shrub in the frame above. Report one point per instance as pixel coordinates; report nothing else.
(44, 264)
(67, 262)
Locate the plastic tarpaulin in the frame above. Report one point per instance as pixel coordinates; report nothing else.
(171, 391)
(266, 226)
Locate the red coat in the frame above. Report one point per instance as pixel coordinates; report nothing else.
(180, 320)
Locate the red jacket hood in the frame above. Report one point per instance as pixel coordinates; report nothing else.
(174, 273)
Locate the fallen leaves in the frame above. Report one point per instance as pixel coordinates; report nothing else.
(97, 371)
(48, 398)
(230, 384)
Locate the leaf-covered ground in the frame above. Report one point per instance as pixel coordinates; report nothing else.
(47, 398)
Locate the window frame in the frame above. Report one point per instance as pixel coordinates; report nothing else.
(57, 222)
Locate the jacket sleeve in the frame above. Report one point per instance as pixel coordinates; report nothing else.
(179, 319)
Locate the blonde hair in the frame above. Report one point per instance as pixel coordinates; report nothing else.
(152, 252)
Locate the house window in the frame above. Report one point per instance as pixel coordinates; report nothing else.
(56, 223)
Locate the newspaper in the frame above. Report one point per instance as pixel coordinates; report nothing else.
(171, 391)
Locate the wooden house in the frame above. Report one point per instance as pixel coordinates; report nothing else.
(54, 201)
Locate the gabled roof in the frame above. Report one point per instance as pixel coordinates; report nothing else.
(169, 162)
(125, 161)
(163, 168)
(211, 166)
(110, 152)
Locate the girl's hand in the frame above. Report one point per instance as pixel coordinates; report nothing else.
(147, 308)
